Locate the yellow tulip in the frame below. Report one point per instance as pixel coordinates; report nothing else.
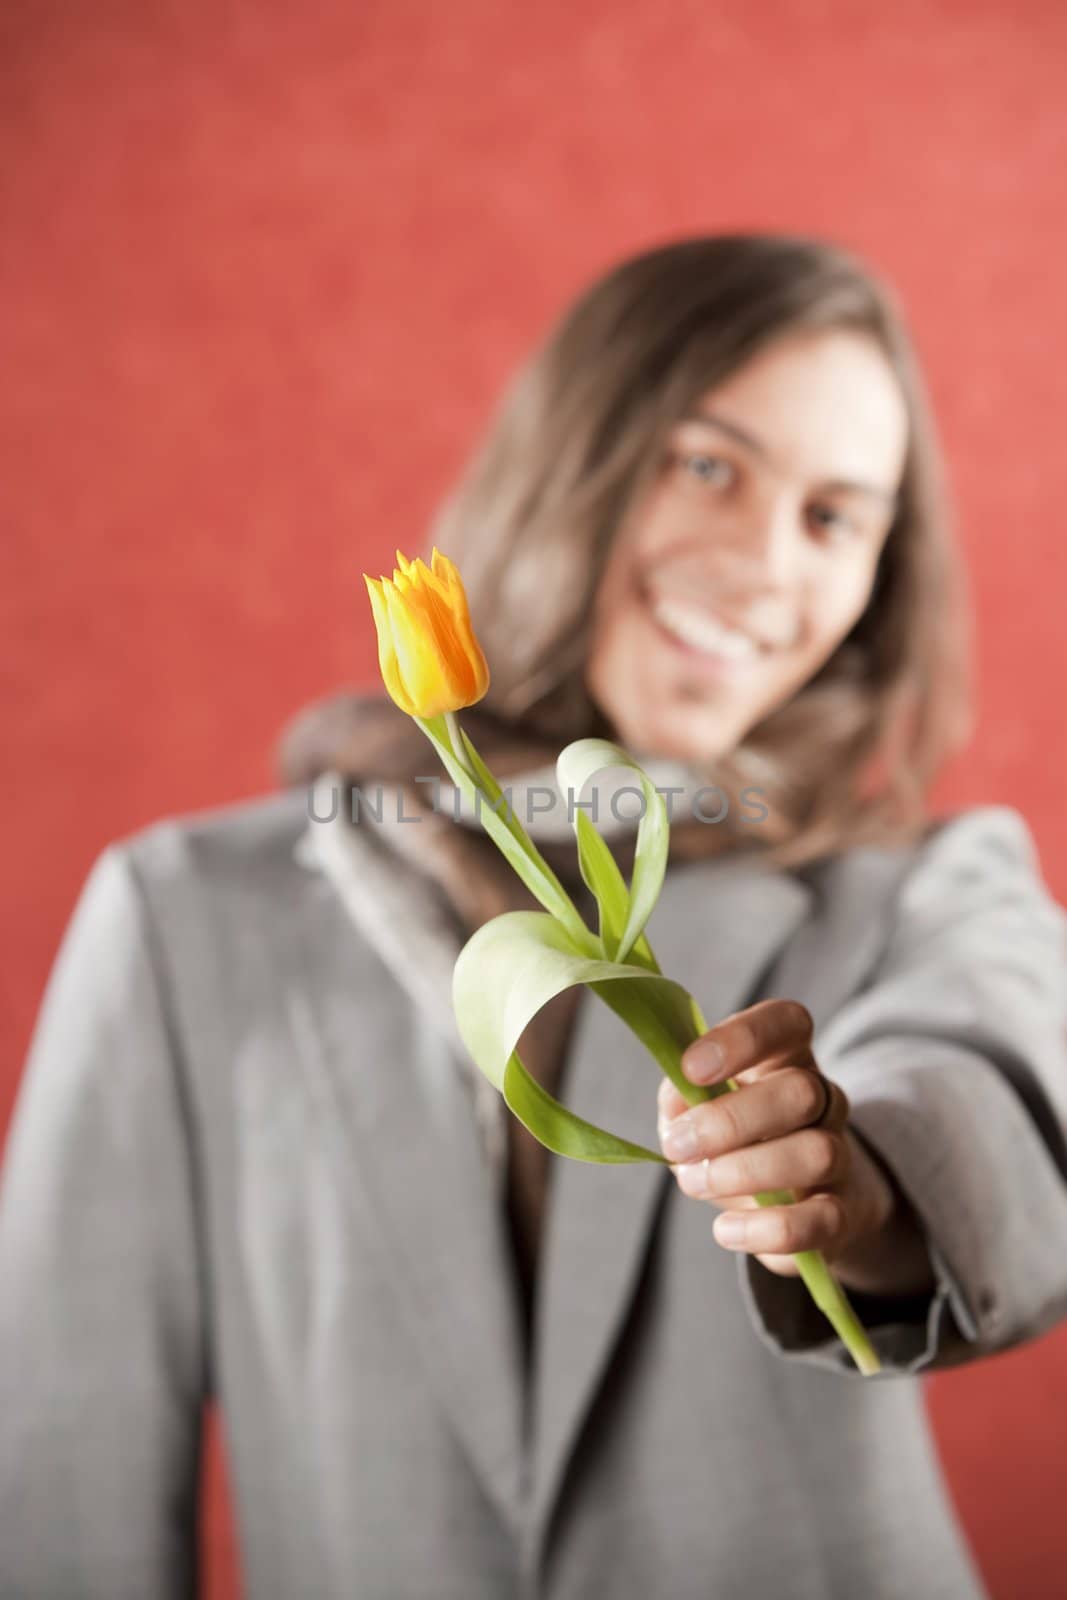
(429, 657)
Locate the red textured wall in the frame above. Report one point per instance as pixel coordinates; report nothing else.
(262, 271)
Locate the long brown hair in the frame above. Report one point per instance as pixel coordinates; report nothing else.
(577, 438)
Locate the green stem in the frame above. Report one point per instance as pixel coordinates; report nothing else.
(455, 739)
(833, 1302)
(545, 885)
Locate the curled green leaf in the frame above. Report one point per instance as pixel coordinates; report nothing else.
(517, 963)
(624, 910)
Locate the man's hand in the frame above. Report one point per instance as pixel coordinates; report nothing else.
(786, 1127)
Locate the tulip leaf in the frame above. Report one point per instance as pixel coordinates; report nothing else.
(517, 963)
(624, 910)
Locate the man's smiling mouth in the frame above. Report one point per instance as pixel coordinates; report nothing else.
(701, 632)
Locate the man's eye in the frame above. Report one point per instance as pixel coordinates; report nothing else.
(829, 521)
(709, 469)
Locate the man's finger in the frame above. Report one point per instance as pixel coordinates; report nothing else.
(773, 1028)
(671, 1103)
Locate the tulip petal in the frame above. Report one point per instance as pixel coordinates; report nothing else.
(436, 619)
(445, 571)
(387, 662)
(431, 579)
(456, 661)
(415, 655)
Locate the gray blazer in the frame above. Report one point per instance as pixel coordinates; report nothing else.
(243, 1166)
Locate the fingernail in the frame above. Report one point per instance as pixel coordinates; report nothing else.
(692, 1179)
(680, 1140)
(730, 1229)
(703, 1061)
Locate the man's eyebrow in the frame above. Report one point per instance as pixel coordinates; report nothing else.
(734, 430)
(839, 485)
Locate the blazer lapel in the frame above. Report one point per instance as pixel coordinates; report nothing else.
(402, 1127)
(716, 929)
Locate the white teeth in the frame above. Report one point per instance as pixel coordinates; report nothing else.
(703, 632)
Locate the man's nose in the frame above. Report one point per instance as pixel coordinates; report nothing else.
(758, 570)
(765, 545)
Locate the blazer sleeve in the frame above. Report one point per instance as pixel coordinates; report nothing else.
(954, 1060)
(102, 1363)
